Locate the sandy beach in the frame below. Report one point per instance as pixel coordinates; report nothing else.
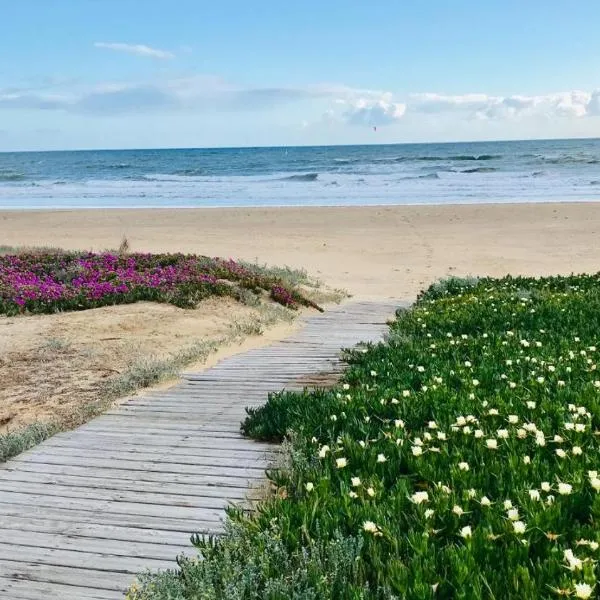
(52, 365)
(373, 252)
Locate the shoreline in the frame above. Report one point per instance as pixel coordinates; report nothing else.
(373, 252)
(494, 202)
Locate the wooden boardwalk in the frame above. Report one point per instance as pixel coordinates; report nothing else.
(84, 512)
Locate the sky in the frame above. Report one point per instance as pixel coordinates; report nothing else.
(192, 73)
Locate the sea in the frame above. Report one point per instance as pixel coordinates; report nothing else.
(397, 174)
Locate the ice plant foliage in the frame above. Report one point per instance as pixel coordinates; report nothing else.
(480, 505)
(41, 282)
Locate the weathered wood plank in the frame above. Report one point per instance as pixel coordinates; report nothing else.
(83, 512)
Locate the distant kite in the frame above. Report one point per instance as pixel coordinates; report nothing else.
(374, 128)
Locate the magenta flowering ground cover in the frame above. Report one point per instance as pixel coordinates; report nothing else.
(40, 282)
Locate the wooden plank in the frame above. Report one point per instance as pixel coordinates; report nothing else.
(37, 503)
(27, 589)
(36, 539)
(84, 531)
(20, 480)
(188, 526)
(36, 490)
(84, 578)
(170, 458)
(218, 481)
(143, 465)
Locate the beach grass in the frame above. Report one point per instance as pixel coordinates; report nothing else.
(456, 459)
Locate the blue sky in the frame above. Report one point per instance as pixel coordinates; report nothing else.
(156, 73)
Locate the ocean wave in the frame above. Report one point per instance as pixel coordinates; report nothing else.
(196, 172)
(11, 176)
(120, 166)
(303, 177)
(459, 157)
(479, 170)
(538, 173)
(575, 160)
(428, 176)
(595, 182)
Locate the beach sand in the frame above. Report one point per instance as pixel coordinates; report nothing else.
(373, 252)
(53, 365)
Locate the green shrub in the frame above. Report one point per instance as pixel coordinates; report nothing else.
(463, 453)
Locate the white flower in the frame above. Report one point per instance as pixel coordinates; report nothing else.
(534, 494)
(432, 425)
(540, 380)
(560, 383)
(560, 453)
(420, 369)
(521, 433)
(373, 373)
(493, 411)
(513, 514)
(513, 419)
(467, 363)
(346, 386)
(471, 396)
(509, 363)
(355, 481)
(540, 440)
(558, 439)
(441, 435)
(580, 427)
(419, 497)
(417, 450)
(569, 426)
(545, 486)
(475, 382)
(371, 491)
(471, 493)
(478, 433)
(429, 512)
(577, 451)
(583, 590)
(526, 459)
(399, 423)
(519, 527)
(381, 458)
(370, 527)
(507, 504)
(492, 444)
(485, 501)
(405, 393)
(352, 494)
(592, 474)
(362, 443)
(309, 486)
(463, 466)
(457, 510)
(512, 385)
(530, 404)
(460, 421)
(565, 489)
(574, 563)
(466, 532)
(323, 451)
(502, 433)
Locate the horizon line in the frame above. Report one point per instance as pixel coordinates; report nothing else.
(136, 149)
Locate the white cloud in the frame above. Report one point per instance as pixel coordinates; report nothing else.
(573, 104)
(374, 113)
(137, 49)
